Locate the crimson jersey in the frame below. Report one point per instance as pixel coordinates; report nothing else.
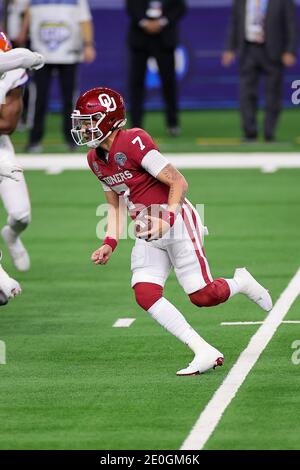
(130, 169)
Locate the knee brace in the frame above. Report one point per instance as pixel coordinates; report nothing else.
(147, 294)
(19, 221)
(213, 294)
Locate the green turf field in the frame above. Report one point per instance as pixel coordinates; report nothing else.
(202, 131)
(73, 382)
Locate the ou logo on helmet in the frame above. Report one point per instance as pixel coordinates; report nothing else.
(108, 102)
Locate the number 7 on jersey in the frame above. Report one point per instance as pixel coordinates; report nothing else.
(139, 141)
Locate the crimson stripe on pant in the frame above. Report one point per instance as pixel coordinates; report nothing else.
(197, 250)
(194, 217)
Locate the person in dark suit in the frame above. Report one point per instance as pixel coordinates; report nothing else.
(264, 34)
(153, 33)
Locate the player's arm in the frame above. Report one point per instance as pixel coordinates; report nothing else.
(22, 37)
(115, 218)
(231, 45)
(150, 158)
(177, 190)
(87, 33)
(20, 58)
(10, 112)
(9, 116)
(178, 187)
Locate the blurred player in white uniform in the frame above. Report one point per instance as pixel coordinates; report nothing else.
(14, 194)
(12, 185)
(9, 287)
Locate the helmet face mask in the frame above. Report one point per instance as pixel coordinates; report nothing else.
(98, 113)
(85, 129)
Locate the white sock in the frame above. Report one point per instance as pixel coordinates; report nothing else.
(16, 227)
(233, 286)
(13, 234)
(174, 322)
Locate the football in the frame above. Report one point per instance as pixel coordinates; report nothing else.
(142, 224)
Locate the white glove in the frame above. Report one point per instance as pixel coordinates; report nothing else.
(39, 61)
(20, 58)
(9, 170)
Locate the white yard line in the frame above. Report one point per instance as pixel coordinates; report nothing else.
(211, 415)
(123, 322)
(242, 323)
(267, 162)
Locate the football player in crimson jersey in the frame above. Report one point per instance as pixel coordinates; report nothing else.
(129, 165)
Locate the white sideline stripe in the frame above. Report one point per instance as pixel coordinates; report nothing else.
(211, 415)
(268, 162)
(54, 170)
(269, 169)
(123, 322)
(238, 323)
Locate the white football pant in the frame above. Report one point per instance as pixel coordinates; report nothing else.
(14, 194)
(181, 248)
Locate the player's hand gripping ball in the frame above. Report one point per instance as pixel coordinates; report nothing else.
(142, 224)
(149, 224)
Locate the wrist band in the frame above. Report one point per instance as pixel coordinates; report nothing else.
(169, 217)
(111, 242)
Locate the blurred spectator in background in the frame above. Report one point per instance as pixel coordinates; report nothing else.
(15, 15)
(16, 10)
(264, 33)
(153, 33)
(63, 32)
